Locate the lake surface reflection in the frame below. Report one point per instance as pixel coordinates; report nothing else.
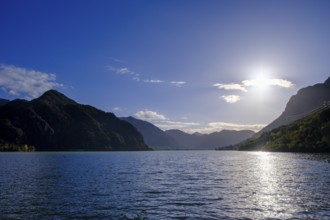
(164, 185)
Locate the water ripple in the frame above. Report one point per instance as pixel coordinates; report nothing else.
(164, 185)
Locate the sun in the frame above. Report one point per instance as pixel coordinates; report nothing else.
(260, 79)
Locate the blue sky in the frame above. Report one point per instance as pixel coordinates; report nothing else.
(194, 65)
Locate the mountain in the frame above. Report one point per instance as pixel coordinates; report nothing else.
(302, 104)
(188, 141)
(3, 101)
(153, 136)
(54, 122)
(309, 134)
(210, 141)
(178, 140)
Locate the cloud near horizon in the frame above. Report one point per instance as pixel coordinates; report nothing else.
(164, 123)
(219, 126)
(233, 126)
(17, 81)
(168, 125)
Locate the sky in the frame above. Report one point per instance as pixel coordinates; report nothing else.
(197, 65)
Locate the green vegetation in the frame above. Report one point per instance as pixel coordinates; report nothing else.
(14, 147)
(310, 134)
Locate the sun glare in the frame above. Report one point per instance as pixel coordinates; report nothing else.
(260, 78)
(261, 81)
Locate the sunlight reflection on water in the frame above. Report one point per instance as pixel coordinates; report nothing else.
(267, 195)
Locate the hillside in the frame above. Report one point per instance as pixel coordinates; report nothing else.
(54, 122)
(309, 134)
(153, 136)
(306, 100)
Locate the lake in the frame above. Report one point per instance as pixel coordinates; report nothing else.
(164, 185)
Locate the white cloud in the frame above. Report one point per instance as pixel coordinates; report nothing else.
(231, 86)
(125, 71)
(217, 126)
(137, 77)
(231, 98)
(17, 81)
(282, 83)
(153, 81)
(184, 126)
(165, 123)
(268, 82)
(178, 83)
(192, 127)
(251, 83)
(149, 116)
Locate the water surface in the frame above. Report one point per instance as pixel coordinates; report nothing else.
(164, 185)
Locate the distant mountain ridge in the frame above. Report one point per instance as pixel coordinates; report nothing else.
(178, 140)
(210, 141)
(303, 102)
(154, 136)
(54, 122)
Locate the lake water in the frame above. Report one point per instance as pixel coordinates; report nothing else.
(164, 185)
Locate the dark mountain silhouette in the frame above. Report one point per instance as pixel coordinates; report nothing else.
(301, 104)
(210, 141)
(3, 101)
(54, 122)
(153, 136)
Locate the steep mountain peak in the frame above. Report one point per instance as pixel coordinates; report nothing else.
(55, 122)
(53, 96)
